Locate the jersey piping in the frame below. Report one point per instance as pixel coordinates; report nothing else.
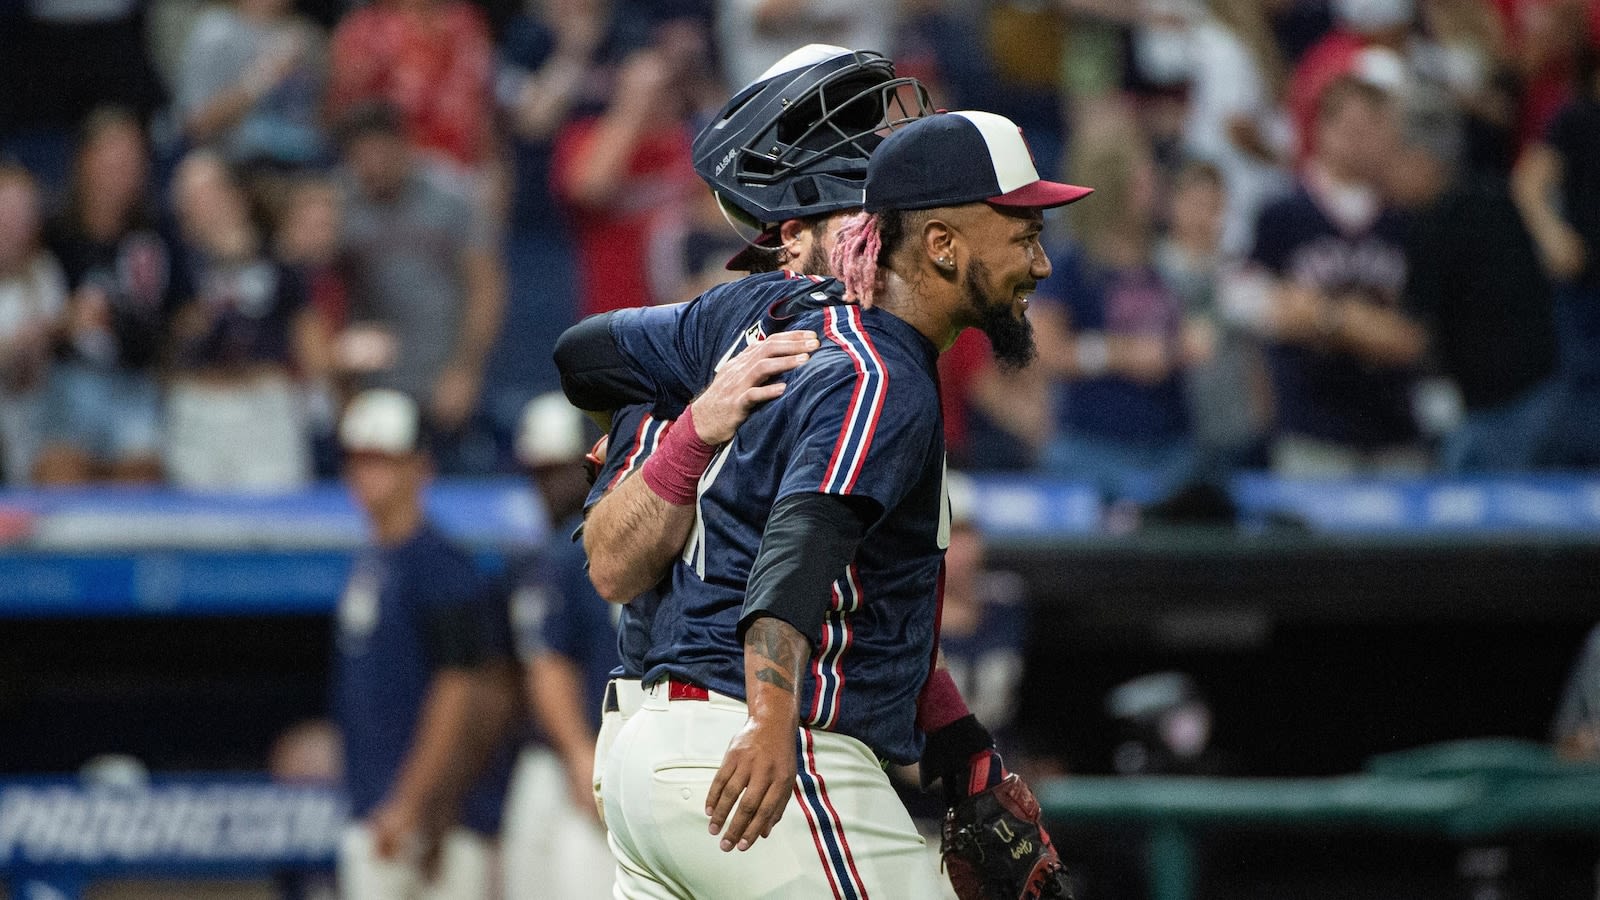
(872, 383)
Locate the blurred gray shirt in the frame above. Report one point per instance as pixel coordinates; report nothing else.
(282, 126)
(402, 261)
(1221, 391)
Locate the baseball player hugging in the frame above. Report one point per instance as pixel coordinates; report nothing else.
(792, 654)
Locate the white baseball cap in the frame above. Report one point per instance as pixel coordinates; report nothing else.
(381, 421)
(550, 432)
(1380, 67)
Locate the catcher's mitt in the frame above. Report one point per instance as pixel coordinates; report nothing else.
(996, 848)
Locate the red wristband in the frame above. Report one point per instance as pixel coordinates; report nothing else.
(940, 703)
(673, 471)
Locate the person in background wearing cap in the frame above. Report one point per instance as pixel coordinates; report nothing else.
(1160, 724)
(776, 565)
(420, 694)
(566, 638)
(1163, 724)
(1369, 39)
(1323, 287)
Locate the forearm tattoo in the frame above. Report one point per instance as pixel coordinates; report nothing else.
(779, 649)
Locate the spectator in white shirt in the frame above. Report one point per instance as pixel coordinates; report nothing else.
(1236, 120)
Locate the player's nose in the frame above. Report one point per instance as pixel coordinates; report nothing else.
(1041, 267)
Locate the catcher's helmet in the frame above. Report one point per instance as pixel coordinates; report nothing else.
(795, 142)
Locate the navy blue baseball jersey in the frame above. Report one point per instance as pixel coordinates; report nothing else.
(1334, 396)
(555, 609)
(407, 612)
(634, 433)
(860, 419)
(675, 350)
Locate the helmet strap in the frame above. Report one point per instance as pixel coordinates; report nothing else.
(740, 232)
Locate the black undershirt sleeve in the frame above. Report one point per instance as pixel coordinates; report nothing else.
(594, 374)
(809, 540)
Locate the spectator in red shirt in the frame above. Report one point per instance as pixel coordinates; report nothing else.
(1545, 37)
(994, 419)
(627, 173)
(430, 58)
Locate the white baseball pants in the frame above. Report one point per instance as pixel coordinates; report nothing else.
(845, 834)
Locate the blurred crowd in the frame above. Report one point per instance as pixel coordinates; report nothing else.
(1329, 236)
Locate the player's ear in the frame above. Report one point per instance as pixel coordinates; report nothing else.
(939, 241)
(792, 230)
(792, 234)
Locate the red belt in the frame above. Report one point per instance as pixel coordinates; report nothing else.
(679, 690)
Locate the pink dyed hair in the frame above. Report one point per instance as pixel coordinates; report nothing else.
(855, 257)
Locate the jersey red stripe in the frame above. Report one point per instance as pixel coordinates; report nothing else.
(821, 691)
(633, 456)
(834, 461)
(882, 391)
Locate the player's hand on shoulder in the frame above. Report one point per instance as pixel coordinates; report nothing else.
(758, 773)
(745, 382)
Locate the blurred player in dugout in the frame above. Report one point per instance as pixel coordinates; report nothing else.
(566, 637)
(423, 681)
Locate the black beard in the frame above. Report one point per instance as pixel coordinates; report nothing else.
(816, 261)
(1010, 336)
